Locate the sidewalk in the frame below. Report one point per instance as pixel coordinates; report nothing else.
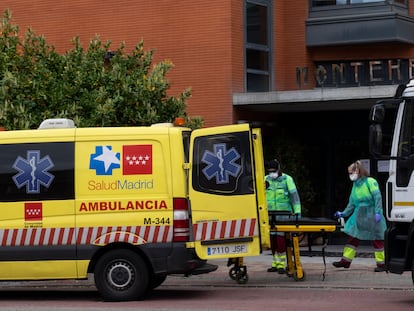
(360, 275)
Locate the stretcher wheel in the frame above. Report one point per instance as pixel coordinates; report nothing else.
(233, 273)
(242, 277)
(296, 277)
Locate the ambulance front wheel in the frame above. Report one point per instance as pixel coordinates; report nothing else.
(121, 275)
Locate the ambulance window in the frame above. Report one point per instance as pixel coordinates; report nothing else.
(222, 164)
(37, 171)
(186, 145)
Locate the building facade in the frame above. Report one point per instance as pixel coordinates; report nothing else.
(305, 71)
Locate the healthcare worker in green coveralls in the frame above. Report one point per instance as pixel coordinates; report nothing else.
(365, 219)
(281, 196)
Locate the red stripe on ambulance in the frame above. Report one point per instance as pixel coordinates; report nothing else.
(233, 228)
(242, 227)
(213, 230)
(222, 231)
(85, 235)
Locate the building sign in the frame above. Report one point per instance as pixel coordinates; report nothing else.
(358, 73)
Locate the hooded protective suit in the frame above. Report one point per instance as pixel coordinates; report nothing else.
(364, 202)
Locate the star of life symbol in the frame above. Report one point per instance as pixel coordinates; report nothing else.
(221, 163)
(33, 172)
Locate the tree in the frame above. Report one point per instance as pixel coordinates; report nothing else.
(94, 87)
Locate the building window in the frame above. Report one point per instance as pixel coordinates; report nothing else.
(257, 45)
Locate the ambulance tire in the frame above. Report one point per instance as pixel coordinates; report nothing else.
(156, 280)
(121, 275)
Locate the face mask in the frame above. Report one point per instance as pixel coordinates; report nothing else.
(273, 175)
(353, 176)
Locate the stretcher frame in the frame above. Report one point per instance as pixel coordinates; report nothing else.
(292, 229)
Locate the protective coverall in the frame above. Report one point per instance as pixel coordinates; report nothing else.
(281, 195)
(365, 202)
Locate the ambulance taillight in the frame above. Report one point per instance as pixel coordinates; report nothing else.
(181, 224)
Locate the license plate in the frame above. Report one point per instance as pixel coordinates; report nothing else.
(227, 249)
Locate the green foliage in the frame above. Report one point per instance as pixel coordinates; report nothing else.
(94, 87)
(195, 122)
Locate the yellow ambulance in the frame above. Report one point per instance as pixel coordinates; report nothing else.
(129, 205)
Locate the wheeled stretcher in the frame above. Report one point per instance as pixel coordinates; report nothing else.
(292, 229)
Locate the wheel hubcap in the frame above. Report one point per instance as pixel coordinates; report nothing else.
(120, 275)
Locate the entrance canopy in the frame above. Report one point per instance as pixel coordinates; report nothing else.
(318, 99)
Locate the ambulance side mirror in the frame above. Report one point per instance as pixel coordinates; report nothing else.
(377, 114)
(376, 117)
(375, 140)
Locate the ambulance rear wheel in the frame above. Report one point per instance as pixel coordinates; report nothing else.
(121, 275)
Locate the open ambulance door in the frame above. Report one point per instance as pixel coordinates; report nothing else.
(264, 224)
(222, 192)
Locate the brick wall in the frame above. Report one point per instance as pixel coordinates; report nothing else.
(204, 40)
(289, 43)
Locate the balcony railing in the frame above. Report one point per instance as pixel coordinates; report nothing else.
(340, 22)
(319, 3)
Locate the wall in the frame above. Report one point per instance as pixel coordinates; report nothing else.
(290, 43)
(204, 41)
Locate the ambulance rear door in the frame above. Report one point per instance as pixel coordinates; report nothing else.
(222, 192)
(261, 188)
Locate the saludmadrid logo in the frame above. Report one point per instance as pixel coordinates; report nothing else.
(101, 185)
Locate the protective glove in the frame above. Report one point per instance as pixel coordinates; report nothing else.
(377, 218)
(338, 214)
(296, 215)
